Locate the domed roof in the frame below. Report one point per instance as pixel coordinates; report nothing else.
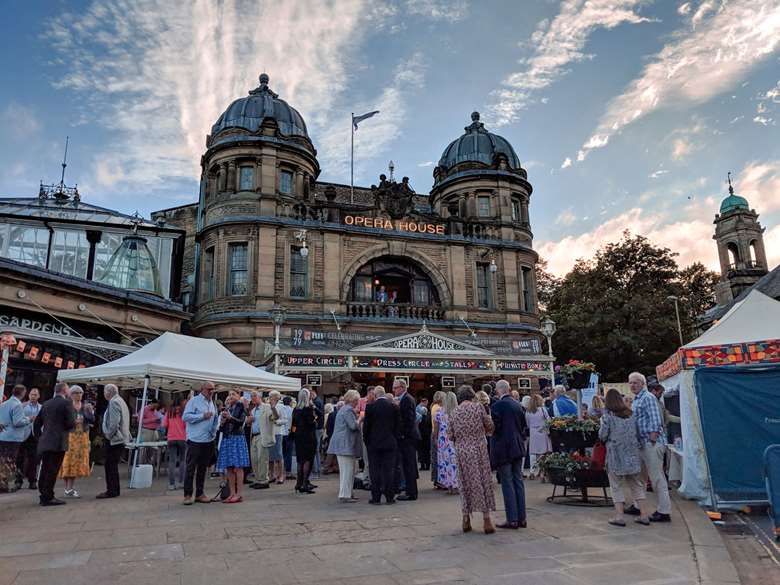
(478, 145)
(733, 202)
(261, 103)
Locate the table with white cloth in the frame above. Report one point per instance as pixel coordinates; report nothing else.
(675, 473)
(159, 448)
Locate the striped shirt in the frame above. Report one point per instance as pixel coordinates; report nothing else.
(648, 416)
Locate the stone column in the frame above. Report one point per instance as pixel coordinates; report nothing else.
(331, 294)
(512, 286)
(231, 177)
(222, 177)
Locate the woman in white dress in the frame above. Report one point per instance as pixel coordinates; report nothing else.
(539, 439)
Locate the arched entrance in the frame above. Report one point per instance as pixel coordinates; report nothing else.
(393, 287)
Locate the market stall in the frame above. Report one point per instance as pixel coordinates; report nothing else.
(747, 336)
(179, 363)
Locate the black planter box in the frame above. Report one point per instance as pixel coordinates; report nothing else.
(583, 479)
(579, 380)
(572, 440)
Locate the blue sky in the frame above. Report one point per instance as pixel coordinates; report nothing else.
(627, 114)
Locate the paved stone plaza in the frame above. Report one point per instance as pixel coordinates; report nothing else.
(276, 537)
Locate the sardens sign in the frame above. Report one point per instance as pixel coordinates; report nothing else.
(400, 225)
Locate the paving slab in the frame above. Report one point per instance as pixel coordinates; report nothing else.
(276, 537)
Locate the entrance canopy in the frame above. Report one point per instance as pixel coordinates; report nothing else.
(179, 363)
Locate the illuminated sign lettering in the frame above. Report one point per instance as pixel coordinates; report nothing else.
(400, 225)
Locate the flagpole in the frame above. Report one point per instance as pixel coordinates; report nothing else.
(352, 161)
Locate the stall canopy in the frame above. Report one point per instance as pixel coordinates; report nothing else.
(179, 363)
(749, 336)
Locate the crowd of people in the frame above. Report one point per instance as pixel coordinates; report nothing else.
(379, 442)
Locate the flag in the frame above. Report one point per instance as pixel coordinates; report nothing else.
(356, 119)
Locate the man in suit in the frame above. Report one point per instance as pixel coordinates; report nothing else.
(381, 429)
(507, 453)
(116, 429)
(57, 419)
(410, 436)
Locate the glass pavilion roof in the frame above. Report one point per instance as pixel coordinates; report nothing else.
(71, 210)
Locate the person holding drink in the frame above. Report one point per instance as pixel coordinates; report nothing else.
(76, 461)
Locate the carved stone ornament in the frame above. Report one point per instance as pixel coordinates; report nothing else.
(393, 197)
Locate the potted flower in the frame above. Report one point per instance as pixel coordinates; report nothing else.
(567, 433)
(578, 373)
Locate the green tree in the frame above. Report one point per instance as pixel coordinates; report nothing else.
(614, 309)
(546, 284)
(696, 293)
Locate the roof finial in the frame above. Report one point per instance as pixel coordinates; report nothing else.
(475, 116)
(264, 79)
(731, 188)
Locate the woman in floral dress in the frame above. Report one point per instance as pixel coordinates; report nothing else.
(76, 461)
(446, 464)
(469, 428)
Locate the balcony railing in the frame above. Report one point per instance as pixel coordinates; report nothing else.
(394, 311)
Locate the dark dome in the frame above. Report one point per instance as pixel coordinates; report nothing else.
(261, 103)
(478, 145)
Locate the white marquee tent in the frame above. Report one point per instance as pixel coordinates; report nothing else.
(755, 318)
(179, 363)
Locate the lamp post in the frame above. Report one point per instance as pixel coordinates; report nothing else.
(277, 316)
(548, 330)
(677, 312)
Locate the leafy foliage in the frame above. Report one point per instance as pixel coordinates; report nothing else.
(615, 310)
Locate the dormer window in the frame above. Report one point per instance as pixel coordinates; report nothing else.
(286, 182)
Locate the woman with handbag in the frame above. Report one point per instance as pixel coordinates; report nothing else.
(233, 454)
(346, 444)
(539, 439)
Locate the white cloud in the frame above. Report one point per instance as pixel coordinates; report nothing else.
(450, 11)
(681, 147)
(759, 183)
(658, 173)
(764, 121)
(698, 64)
(684, 9)
(773, 94)
(566, 163)
(686, 229)
(556, 45)
(566, 217)
(427, 163)
(158, 74)
(19, 121)
(377, 133)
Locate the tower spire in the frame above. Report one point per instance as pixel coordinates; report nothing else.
(731, 187)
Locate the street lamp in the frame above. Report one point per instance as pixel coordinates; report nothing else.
(277, 316)
(677, 311)
(548, 330)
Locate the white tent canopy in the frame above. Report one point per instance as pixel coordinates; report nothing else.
(179, 363)
(754, 318)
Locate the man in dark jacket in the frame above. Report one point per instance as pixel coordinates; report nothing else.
(381, 429)
(55, 421)
(410, 436)
(507, 452)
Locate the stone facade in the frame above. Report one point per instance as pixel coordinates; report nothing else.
(458, 260)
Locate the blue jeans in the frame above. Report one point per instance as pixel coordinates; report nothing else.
(513, 490)
(316, 467)
(288, 446)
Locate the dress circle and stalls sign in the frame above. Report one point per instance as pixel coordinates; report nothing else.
(383, 363)
(399, 225)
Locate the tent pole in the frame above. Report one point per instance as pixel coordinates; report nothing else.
(138, 439)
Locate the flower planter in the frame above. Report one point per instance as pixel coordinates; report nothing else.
(579, 380)
(583, 478)
(572, 440)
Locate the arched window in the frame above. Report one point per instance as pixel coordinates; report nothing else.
(733, 251)
(753, 254)
(394, 280)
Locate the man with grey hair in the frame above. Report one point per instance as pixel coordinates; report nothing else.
(57, 419)
(507, 454)
(116, 429)
(650, 424)
(409, 437)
